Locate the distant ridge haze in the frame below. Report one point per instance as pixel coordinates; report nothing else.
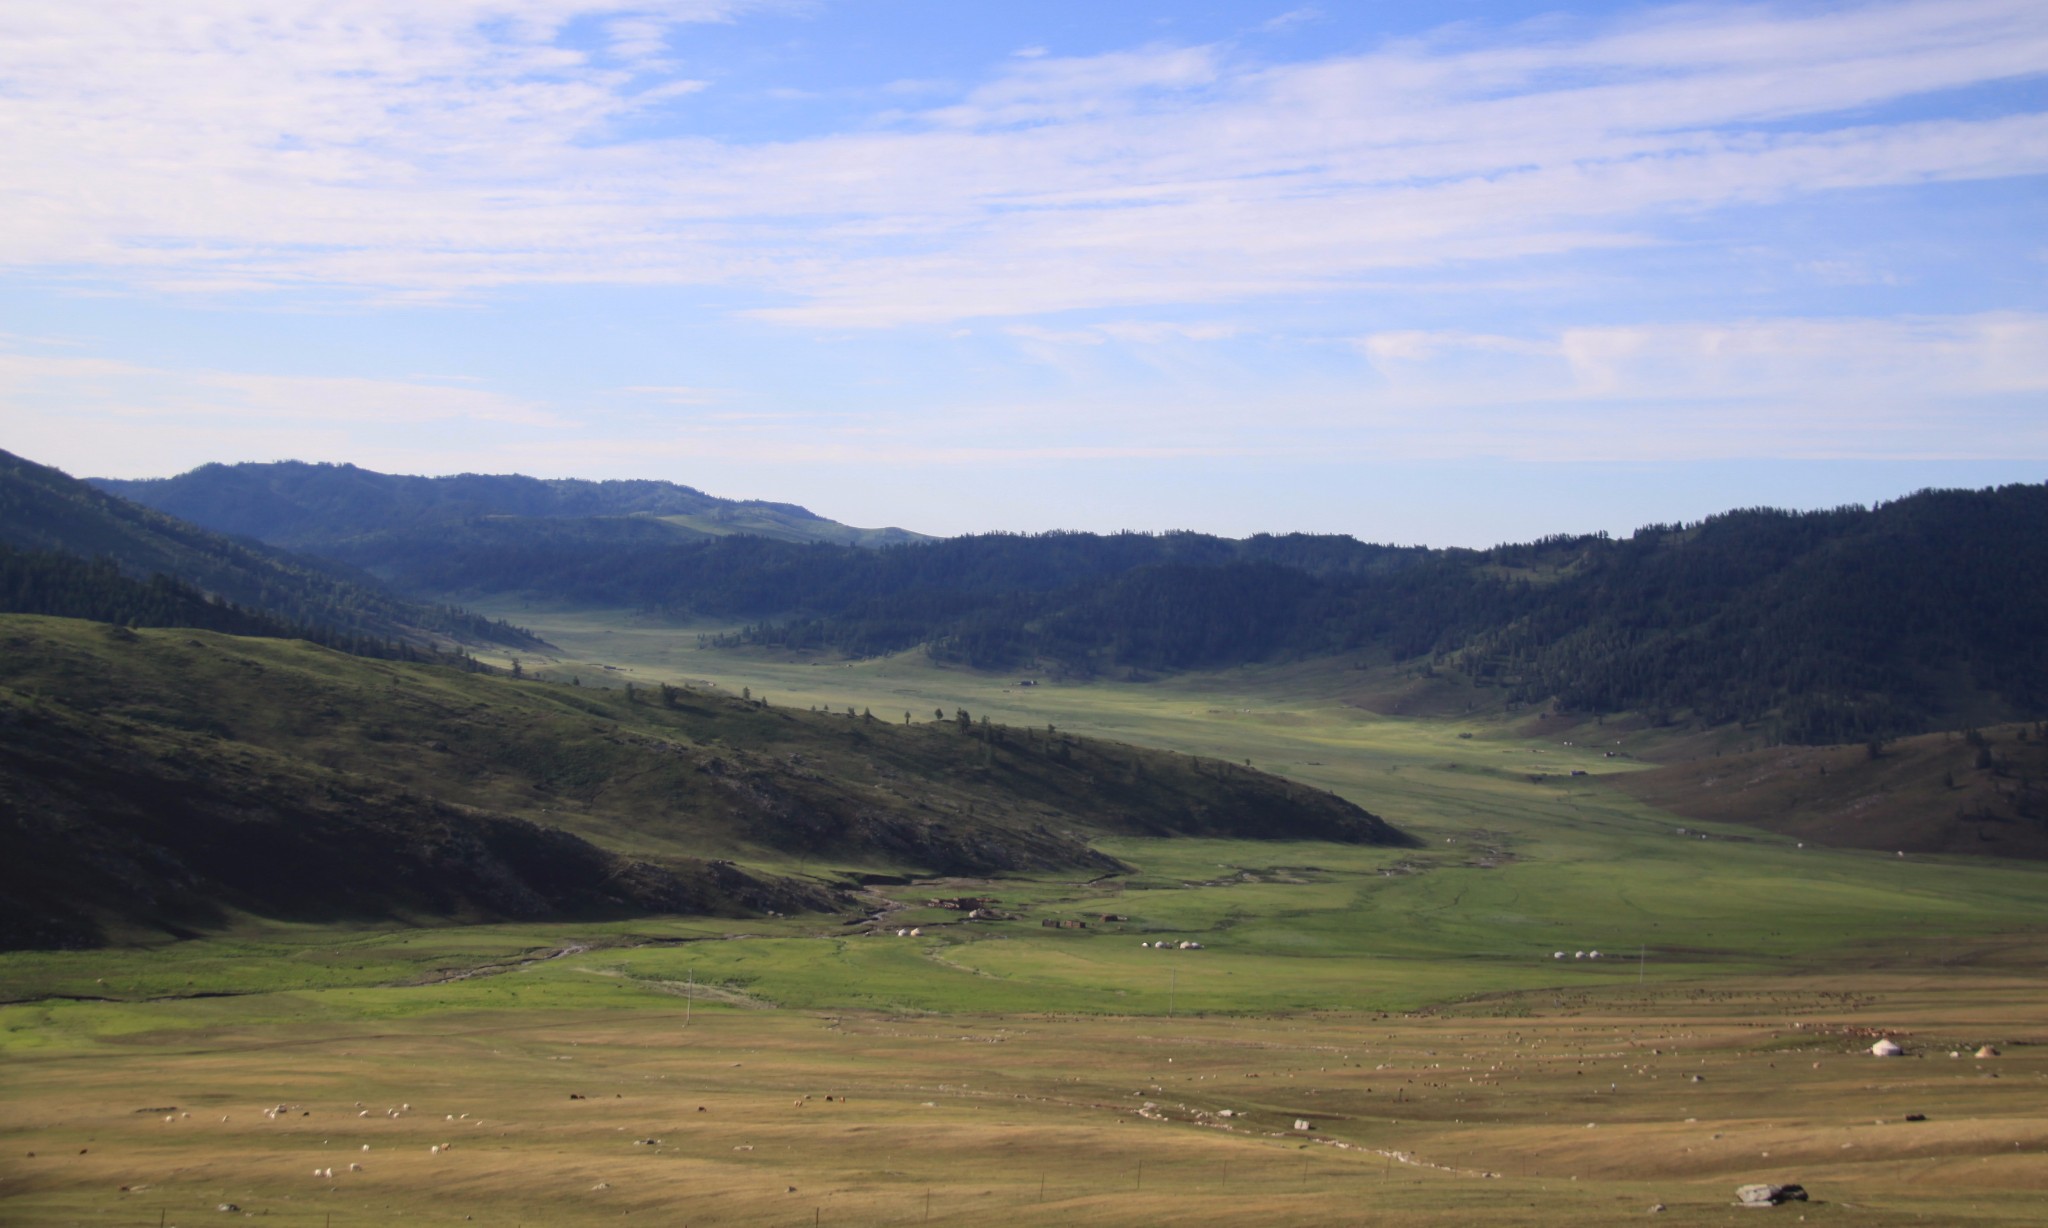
(298, 504)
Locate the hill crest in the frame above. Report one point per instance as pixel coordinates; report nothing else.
(300, 504)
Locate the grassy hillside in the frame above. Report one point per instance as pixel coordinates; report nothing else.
(156, 776)
(1977, 792)
(43, 510)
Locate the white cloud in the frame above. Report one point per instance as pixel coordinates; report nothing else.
(1955, 387)
(399, 150)
(38, 386)
(678, 394)
(1919, 387)
(1290, 19)
(1163, 332)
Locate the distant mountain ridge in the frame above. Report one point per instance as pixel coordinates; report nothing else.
(300, 505)
(1927, 612)
(47, 514)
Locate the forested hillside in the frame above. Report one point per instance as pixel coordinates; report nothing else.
(1927, 612)
(44, 513)
(322, 507)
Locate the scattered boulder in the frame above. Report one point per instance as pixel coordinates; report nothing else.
(1762, 1195)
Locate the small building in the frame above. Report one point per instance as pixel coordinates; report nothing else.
(1114, 916)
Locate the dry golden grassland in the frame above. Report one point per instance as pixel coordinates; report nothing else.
(1546, 1108)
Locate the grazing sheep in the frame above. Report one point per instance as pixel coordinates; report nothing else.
(355, 1168)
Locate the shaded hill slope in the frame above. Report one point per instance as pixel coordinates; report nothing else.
(319, 507)
(1977, 792)
(44, 510)
(154, 777)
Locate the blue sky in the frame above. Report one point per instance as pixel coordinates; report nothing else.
(1451, 273)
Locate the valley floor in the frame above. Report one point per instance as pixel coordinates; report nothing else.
(1366, 1035)
(1518, 1109)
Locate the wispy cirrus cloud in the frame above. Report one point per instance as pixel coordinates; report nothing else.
(1961, 387)
(49, 387)
(384, 149)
